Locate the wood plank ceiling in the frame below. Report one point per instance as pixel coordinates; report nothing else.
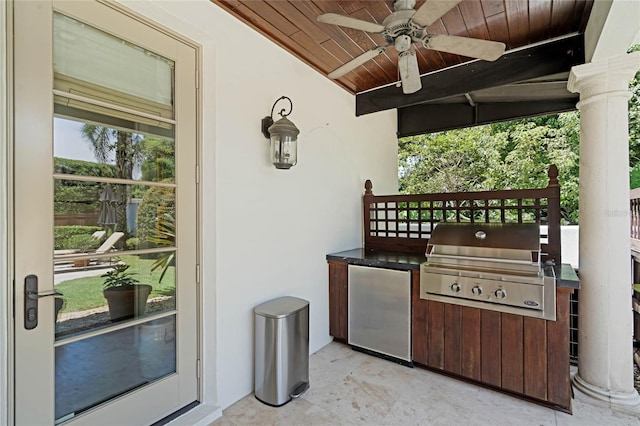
(292, 24)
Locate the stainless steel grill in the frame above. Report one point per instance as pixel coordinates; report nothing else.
(493, 266)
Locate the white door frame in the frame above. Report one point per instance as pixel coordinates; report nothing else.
(205, 46)
(5, 228)
(165, 15)
(207, 411)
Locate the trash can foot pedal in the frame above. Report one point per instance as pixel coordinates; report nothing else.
(297, 392)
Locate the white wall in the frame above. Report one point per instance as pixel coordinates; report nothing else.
(266, 231)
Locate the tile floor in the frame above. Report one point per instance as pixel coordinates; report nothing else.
(351, 388)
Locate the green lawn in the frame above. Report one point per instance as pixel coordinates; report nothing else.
(86, 293)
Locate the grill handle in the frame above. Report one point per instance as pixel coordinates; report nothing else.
(484, 259)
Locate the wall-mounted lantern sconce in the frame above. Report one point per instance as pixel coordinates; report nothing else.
(284, 137)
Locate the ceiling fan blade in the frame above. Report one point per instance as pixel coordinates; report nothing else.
(409, 72)
(356, 62)
(465, 46)
(432, 10)
(346, 21)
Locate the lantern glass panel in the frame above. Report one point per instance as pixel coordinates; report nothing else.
(283, 151)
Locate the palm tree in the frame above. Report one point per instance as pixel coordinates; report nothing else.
(106, 142)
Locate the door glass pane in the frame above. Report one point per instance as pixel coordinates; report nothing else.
(89, 372)
(100, 218)
(115, 251)
(86, 149)
(98, 295)
(87, 61)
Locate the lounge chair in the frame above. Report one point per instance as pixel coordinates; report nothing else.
(109, 242)
(98, 235)
(106, 247)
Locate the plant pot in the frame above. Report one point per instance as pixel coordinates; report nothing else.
(58, 304)
(81, 263)
(127, 301)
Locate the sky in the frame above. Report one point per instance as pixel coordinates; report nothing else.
(68, 141)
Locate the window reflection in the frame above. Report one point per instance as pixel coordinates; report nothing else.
(88, 214)
(93, 370)
(84, 305)
(86, 149)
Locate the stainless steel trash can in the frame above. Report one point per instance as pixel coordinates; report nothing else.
(281, 350)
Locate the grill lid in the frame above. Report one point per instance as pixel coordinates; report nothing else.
(513, 247)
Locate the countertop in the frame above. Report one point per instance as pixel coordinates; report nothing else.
(565, 274)
(380, 259)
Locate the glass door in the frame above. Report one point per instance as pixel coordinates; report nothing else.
(106, 222)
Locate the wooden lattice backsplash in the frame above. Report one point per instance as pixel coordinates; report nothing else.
(403, 223)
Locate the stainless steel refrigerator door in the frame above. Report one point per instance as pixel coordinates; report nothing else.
(380, 310)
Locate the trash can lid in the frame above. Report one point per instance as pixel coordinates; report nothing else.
(281, 307)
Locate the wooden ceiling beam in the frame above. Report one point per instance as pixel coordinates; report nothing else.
(429, 118)
(552, 57)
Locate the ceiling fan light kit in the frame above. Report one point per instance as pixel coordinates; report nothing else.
(406, 27)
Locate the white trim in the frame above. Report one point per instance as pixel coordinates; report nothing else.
(5, 189)
(117, 181)
(120, 326)
(112, 106)
(202, 415)
(163, 14)
(160, 15)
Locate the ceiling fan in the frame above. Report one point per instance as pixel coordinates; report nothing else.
(406, 26)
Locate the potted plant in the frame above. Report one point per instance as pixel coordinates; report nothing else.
(125, 297)
(82, 243)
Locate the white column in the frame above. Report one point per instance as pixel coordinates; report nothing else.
(605, 358)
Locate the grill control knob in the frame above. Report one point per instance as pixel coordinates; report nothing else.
(455, 287)
(477, 290)
(501, 293)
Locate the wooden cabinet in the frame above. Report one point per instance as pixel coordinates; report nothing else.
(338, 303)
(523, 355)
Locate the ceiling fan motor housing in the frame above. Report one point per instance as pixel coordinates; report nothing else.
(399, 23)
(404, 4)
(402, 43)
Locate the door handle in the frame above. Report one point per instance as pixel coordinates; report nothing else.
(31, 297)
(35, 296)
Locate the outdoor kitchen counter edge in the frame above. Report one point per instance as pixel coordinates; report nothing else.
(379, 259)
(565, 274)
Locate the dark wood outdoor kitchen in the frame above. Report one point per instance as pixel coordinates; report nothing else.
(507, 350)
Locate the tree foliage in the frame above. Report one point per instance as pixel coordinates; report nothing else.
(125, 147)
(156, 158)
(509, 155)
(634, 126)
(452, 161)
